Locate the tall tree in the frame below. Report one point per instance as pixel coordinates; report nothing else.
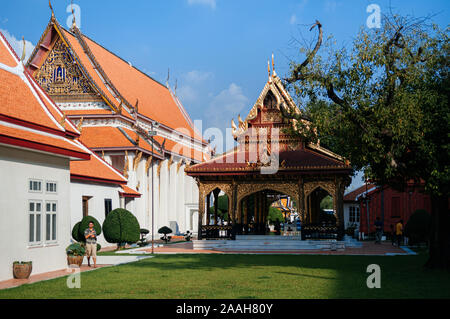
(383, 104)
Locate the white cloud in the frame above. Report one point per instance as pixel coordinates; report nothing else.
(228, 103)
(331, 5)
(197, 77)
(293, 19)
(192, 85)
(210, 3)
(17, 45)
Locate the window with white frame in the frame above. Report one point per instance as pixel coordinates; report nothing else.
(35, 218)
(50, 221)
(35, 186)
(51, 187)
(354, 214)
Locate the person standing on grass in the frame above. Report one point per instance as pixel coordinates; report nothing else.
(91, 244)
(399, 232)
(378, 230)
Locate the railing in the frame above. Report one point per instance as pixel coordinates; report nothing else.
(320, 232)
(217, 232)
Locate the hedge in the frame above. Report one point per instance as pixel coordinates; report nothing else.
(121, 226)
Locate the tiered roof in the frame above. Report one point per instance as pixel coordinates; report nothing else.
(28, 119)
(265, 142)
(128, 92)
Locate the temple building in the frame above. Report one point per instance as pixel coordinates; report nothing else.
(136, 124)
(37, 149)
(269, 161)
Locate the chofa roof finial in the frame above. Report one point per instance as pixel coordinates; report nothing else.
(51, 8)
(273, 66)
(23, 50)
(74, 22)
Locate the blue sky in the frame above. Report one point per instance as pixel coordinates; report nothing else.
(217, 50)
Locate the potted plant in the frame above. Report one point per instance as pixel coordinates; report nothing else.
(75, 254)
(165, 231)
(143, 241)
(22, 269)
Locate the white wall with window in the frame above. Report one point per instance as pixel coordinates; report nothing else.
(352, 214)
(34, 218)
(102, 198)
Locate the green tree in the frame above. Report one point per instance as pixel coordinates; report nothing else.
(274, 215)
(383, 104)
(121, 227)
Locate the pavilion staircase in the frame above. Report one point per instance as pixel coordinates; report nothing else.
(258, 243)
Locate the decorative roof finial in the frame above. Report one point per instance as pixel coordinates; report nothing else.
(74, 23)
(23, 50)
(268, 68)
(273, 66)
(51, 8)
(168, 77)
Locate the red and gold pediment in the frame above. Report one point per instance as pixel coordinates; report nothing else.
(61, 77)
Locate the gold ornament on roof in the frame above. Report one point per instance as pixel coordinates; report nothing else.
(80, 123)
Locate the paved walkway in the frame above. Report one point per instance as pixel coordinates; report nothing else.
(368, 248)
(102, 261)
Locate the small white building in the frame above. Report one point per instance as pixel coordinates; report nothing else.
(37, 145)
(96, 189)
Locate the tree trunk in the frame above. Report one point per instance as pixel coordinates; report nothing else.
(440, 234)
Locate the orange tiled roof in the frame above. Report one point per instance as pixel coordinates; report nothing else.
(18, 102)
(14, 135)
(155, 100)
(129, 192)
(27, 118)
(112, 137)
(7, 54)
(96, 168)
(180, 149)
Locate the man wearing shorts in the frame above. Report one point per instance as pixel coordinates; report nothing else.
(91, 244)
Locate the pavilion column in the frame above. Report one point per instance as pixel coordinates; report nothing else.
(339, 195)
(260, 212)
(245, 211)
(208, 203)
(201, 211)
(255, 213)
(301, 202)
(233, 206)
(216, 193)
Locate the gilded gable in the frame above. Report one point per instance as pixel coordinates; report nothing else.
(61, 77)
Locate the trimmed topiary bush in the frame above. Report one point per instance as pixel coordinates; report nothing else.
(121, 227)
(76, 233)
(417, 229)
(99, 247)
(165, 231)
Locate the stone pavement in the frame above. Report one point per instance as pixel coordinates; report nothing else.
(102, 261)
(368, 248)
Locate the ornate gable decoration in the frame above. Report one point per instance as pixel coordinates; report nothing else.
(267, 109)
(61, 76)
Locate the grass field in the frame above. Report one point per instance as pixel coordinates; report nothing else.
(249, 276)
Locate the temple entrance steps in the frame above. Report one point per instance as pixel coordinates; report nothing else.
(270, 243)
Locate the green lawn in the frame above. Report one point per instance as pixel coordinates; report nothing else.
(249, 276)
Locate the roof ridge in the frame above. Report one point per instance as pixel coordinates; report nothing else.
(109, 51)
